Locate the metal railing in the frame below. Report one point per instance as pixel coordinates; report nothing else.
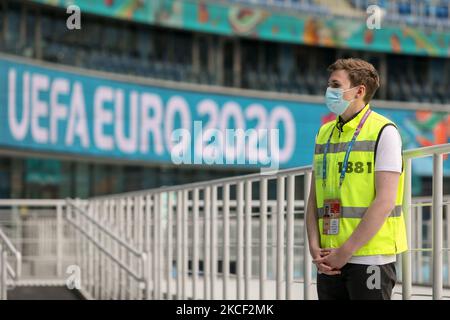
(437, 204)
(244, 237)
(37, 229)
(201, 238)
(112, 264)
(234, 238)
(8, 274)
(421, 241)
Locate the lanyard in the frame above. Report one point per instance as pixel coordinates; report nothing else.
(347, 153)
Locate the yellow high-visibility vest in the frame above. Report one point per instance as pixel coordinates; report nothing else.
(357, 191)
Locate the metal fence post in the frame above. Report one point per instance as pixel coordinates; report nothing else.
(437, 226)
(307, 259)
(447, 210)
(185, 247)
(148, 247)
(226, 239)
(290, 235)
(178, 242)
(157, 243)
(213, 240)
(169, 245)
(406, 256)
(207, 244)
(195, 243)
(59, 240)
(5, 274)
(248, 238)
(2, 275)
(419, 226)
(263, 239)
(240, 238)
(280, 236)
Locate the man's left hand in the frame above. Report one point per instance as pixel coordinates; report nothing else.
(336, 259)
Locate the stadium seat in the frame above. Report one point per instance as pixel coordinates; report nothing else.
(393, 91)
(416, 89)
(442, 12)
(253, 81)
(404, 8)
(300, 85)
(46, 28)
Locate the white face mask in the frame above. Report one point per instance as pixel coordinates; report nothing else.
(334, 98)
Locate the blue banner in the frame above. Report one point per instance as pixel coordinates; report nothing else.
(49, 110)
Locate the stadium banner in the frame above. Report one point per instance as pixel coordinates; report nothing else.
(50, 110)
(273, 25)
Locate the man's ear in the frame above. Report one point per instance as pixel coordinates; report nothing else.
(361, 91)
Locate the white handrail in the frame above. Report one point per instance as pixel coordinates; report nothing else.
(437, 151)
(134, 235)
(243, 205)
(427, 151)
(16, 272)
(216, 182)
(109, 245)
(6, 271)
(209, 199)
(102, 228)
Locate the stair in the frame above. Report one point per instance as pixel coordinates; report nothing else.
(43, 293)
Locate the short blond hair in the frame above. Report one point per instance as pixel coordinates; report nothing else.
(360, 72)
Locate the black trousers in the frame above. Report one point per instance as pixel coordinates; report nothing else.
(358, 282)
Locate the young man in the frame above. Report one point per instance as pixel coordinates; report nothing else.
(354, 217)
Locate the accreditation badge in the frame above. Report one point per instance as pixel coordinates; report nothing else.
(331, 216)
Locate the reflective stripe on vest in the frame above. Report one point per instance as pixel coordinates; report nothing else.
(342, 147)
(358, 212)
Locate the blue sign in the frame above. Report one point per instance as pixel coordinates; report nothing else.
(50, 110)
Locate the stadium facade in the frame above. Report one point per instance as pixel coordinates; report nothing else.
(90, 111)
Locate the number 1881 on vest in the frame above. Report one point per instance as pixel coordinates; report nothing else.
(357, 167)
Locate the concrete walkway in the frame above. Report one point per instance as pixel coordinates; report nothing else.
(43, 293)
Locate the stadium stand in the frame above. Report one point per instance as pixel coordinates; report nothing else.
(416, 12)
(168, 53)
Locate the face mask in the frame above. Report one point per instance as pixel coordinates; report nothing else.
(335, 101)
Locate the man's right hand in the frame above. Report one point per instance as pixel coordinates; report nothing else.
(317, 253)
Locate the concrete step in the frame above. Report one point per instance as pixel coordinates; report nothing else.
(43, 293)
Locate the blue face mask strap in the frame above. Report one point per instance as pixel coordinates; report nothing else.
(347, 153)
(324, 166)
